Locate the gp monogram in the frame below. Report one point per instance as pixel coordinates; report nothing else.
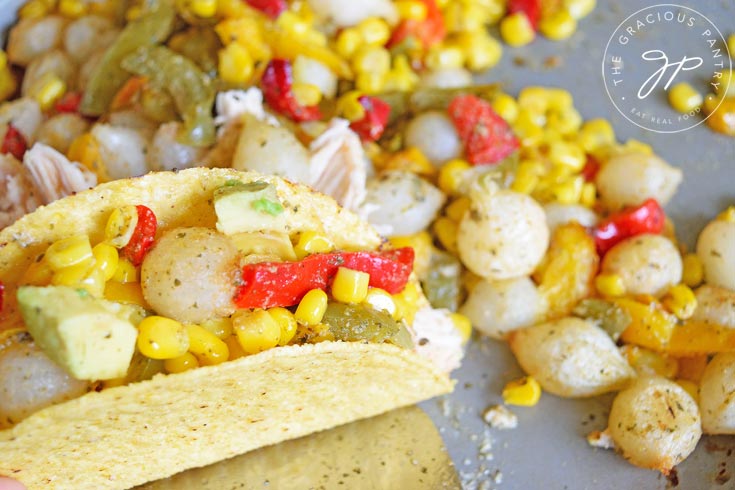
(652, 50)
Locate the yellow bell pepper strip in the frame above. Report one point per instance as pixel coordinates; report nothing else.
(698, 337)
(191, 90)
(651, 326)
(286, 46)
(109, 76)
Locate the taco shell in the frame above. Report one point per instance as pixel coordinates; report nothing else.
(125, 436)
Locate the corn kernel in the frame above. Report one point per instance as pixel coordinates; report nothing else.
(371, 83)
(569, 191)
(516, 29)
(348, 42)
(526, 128)
(47, 90)
(457, 208)
(372, 59)
(286, 322)
(411, 10)
(256, 330)
(401, 77)
(451, 176)
(579, 8)
(557, 26)
(206, 346)
(567, 154)
(247, 31)
(526, 179)
(506, 107)
(125, 292)
(693, 271)
(72, 8)
(181, 363)
(311, 242)
(684, 98)
(85, 150)
(235, 64)
(534, 99)
(162, 338)
(350, 286)
(524, 392)
(233, 345)
(221, 327)
(680, 301)
(125, 272)
(374, 31)
(93, 282)
(350, 107)
(594, 134)
(481, 51)
(72, 275)
(106, 259)
(446, 232)
(728, 215)
(379, 300)
(120, 225)
(463, 325)
(634, 145)
(306, 94)
(442, 57)
(421, 243)
(407, 302)
(565, 121)
(39, 273)
(69, 251)
(203, 8)
(610, 285)
(312, 307)
(589, 195)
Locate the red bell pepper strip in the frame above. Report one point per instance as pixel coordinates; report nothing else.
(486, 136)
(143, 236)
(649, 217)
(372, 125)
(271, 8)
(14, 143)
(270, 284)
(429, 31)
(531, 8)
(591, 167)
(69, 102)
(276, 82)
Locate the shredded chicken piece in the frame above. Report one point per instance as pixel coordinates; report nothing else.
(54, 175)
(436, 338)
(18, 194)
(233, 104)
(338, 165)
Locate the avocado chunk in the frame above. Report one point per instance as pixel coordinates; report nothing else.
(91, 338)
(250, 207)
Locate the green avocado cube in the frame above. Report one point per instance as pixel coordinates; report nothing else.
(250, 207)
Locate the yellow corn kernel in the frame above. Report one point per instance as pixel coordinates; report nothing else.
(524, 392)
(446, 232)
(380, 300)
(506, 107)
(684, 98)
(407, 302)
(451, 175)
(125, 292)
(568, 191)
(287, 323)
(594, 134)
(567, 154)
(610, 285)
(221, 327)
(557, 26)
(68, 252)
(209, 349)
(311, 242)
(692, 368)
(579, 8)
(412, 160)
(34, 9)
(564, 121)
(125, 272)
(728, 215)
(48, 90)
(526, 178)
(372, 59)
(234, 347)
(245, 30)
(350, 107)
(106, 259)
(516, 29)
(162, 338)
(121, 225)
(526, 128)
(374, 31)
(39, 273)
(350, 286)
(306, 94)
(693, 270)
(256, 330)
(481, 51)
(401, 77)
(93, 282)
(648, 363)
(421, 243)
(462, 324)
(680, 301)
(534, 99)
(411, 10)
(457, 208)
(235, 64)
(312, 307)
(371, 83)
(85, 150)
(634, 145)
(348, 42)
(443, 56)
(203, 8)
(589, 194)
(181, 363)
(690, 387)
(72, 8)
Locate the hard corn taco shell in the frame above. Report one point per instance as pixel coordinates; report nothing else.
(129, 435)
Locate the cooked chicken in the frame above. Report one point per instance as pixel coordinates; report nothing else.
(53, 175)
(18, 194)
